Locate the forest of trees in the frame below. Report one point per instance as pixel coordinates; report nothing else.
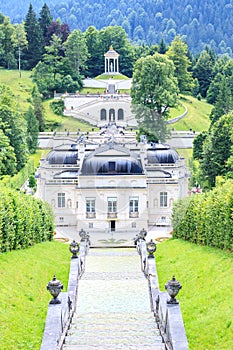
(207, 22)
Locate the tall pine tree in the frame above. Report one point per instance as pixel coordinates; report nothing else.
(33, 53)
(45, 20)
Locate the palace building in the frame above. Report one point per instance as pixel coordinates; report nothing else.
(108, 181)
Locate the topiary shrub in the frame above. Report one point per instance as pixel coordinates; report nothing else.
(57, 106)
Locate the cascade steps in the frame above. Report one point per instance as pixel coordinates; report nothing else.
(113, 307)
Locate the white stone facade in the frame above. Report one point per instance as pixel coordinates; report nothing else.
(107, 181)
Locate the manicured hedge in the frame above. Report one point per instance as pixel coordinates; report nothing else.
(24, 220)
(206, 219)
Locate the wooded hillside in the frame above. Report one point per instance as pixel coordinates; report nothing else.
(207, 22)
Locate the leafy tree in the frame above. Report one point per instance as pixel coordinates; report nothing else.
(203, 70)
(54, 72)
(34, 50)
(224, 102)
(19, 41)
(57, 106)
(216, 150)
(14, 129)
(94, 58)
(154, 91)
(116, 36)
(13, 126)
(7, 156)
(43, 76)
(32, 182)
(76, 50)
(214, 87)
(178, 52)
(53, 56)
(38, 113)
(61, 30)
(195, 88)
(198, 145)
(32, 130)
(6, 45)
(223, 68)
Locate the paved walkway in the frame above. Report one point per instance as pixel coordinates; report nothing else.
(116, 239)
(113, 308)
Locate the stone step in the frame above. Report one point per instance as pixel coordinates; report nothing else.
(82, 326)
(115, 347)
(115, 331)
(130, 338)
(129, 328)
(113, 317)
(113, 341)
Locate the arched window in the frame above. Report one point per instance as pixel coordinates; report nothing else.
(112, 115)
(103, 114)
(120, 115)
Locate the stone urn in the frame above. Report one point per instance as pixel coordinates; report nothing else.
(173, 287)
(74, 249)
(54, 287)
(151, 248)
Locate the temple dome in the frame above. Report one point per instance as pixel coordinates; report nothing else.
(111, 53)
(158, 153)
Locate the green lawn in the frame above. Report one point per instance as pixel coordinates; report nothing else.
(24, 299)
(205, 298)
(206, 295)
(197, 117)
(63, 123)
(21, 87)
(176, 112)
(114, 76)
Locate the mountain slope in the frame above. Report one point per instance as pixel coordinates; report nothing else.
(207, 22)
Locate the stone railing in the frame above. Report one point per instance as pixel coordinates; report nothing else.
(112, 215)
(168, 315)
(59, 316)
(90, 215)
(134, 214)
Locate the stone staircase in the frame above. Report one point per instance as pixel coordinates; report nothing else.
(113, 308)
(114, 331)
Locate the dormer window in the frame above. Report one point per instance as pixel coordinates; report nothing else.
(111, 166)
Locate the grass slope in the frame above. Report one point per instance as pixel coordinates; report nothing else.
(197, 117)
(21, 87)
(24, 276)
(206, 295)
(114, 76)
(63, 123)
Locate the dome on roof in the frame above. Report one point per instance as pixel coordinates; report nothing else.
(111, 160)
(111, 52)
(161, 154)
(63, 155)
